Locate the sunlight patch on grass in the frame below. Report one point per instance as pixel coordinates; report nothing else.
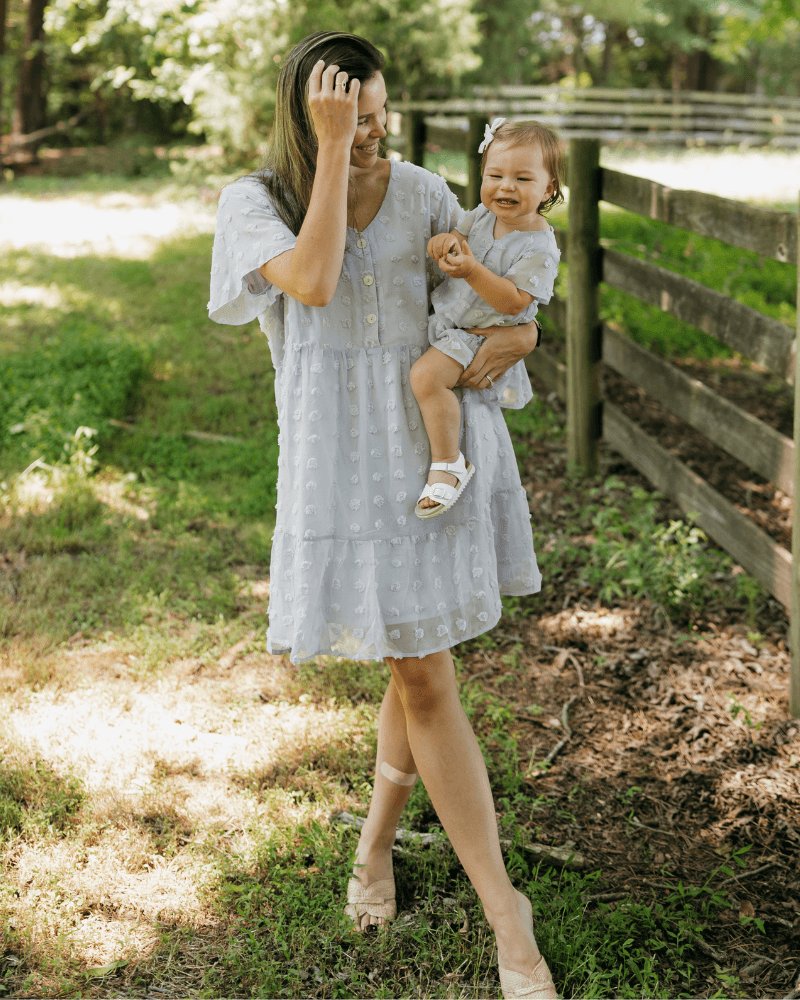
(112, 226)
(110, 730)
(599, 623)
(178, 771)
(114, 493)
(101, 897)
(12, 293)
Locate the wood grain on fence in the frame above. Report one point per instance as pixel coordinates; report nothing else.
(764, 231)
(745, 437)
(767, 341)
(646, 115)
(583, 332)
(767, 561)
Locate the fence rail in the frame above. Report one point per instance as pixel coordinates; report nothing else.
(592, 346)
(673, 117)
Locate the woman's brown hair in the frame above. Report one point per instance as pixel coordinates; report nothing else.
(534, 133)
(288, 174)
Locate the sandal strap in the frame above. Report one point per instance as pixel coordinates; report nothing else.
(377, 893)
(454, 468)
(437, 491)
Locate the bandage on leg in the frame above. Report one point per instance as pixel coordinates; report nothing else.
(398, 777)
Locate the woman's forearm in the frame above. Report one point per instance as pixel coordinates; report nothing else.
(498, 354)
(310, 272)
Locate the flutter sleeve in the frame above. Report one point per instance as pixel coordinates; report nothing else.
(535, 272)
(468, 219)
(446, 213)
(249, 233)
(445, 216)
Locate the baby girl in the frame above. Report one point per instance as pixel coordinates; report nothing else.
(497, 279)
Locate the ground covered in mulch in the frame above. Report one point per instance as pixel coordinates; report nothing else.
(681, 751)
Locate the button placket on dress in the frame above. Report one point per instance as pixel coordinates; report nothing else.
(369, 292)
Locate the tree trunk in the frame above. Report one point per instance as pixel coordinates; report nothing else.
(31, 97)
(3, 19)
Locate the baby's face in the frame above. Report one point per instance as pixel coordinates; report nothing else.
(515, 182)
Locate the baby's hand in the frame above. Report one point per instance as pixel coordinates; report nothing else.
(441, 245)
(459, 262)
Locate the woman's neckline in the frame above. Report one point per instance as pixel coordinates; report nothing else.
(353, 229)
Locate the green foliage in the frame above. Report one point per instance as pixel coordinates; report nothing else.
(49, 392)
(634, 554)
(210, 67)
(765, 285)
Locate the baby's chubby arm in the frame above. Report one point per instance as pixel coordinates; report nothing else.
(500, 293)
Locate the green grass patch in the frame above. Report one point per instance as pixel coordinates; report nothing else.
(34, 798)
(283, 940)
(76, 381)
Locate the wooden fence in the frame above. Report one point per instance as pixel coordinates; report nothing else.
(657, 116)
(592, 345)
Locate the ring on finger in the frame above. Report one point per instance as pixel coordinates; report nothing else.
(491, 380)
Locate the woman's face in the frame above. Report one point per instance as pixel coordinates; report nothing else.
(371, 126)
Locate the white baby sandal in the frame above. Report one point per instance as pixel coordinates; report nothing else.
(444, 494)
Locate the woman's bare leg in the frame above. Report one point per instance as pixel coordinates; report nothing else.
(451, 765)
(374, 851)
(432, 378)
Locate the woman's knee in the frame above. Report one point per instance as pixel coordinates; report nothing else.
(424, 684)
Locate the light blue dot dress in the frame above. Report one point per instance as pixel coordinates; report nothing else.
(530, 260)
(353, 571)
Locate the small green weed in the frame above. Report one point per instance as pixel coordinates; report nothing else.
(34, 797)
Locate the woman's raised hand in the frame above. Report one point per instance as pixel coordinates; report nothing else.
(333, 106)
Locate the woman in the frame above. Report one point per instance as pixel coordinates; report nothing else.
(327, 250)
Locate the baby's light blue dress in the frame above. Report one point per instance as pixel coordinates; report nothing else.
(353, 571)
(530, 260)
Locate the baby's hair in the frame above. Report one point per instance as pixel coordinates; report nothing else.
(530, 133)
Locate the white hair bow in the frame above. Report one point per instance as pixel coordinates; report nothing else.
(488, 133)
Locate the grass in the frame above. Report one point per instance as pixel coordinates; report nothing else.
(164, 817)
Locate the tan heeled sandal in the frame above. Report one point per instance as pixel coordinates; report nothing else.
(376, 899)
(538, 985)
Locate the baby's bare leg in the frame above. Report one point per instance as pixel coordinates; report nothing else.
(433, 376)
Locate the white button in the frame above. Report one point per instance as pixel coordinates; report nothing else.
(362, 243)
(371, 343)
(368, 279)
(372, 318)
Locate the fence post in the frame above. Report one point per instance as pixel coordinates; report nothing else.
(794, 611)
(414, 131)
(474, 136)
(583, 331)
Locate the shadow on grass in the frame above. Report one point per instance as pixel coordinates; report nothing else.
(287, 934)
